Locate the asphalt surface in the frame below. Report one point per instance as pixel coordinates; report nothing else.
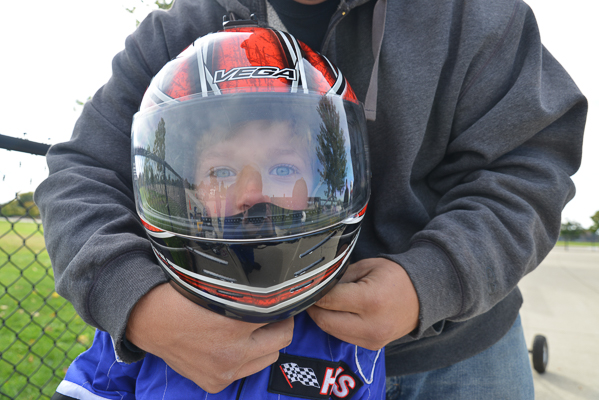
(561, 302)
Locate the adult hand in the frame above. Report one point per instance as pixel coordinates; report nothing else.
(208, 348)
(373, 304)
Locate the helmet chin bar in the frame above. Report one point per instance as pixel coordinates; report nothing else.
(259, 304)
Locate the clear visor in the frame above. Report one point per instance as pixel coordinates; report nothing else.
(250, 166)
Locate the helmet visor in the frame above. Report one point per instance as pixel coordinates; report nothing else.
(250, 166)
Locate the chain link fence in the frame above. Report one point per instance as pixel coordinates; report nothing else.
(40, 333)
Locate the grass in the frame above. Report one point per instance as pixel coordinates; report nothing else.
(40, 333)
(577, 244)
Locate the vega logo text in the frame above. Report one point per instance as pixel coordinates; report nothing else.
(254, 72)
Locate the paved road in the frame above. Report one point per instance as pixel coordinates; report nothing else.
(561, 302)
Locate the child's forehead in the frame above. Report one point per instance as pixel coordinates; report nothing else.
(263, 127)
(277, 136)
(256, 141)
(254, 153)
(231, 151)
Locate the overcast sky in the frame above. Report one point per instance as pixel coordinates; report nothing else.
(53, 56)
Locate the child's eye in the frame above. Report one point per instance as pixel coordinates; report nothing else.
(222, 172)
(283, 170)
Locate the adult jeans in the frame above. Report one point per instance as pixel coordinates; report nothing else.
(502, 371)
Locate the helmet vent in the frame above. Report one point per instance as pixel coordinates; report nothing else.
(224, 278)
(300, 287)
(229, 293)
(304, 270)
(215, 259)
(317, 245)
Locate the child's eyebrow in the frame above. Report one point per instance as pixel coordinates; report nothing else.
(227, 153)
(217, 154)
(285, 151)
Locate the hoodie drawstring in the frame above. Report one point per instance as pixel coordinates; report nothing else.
(378, 31)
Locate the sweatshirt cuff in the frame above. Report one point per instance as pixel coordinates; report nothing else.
(437, 285)
(120, 285)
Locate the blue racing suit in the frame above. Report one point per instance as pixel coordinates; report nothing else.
(314, 366)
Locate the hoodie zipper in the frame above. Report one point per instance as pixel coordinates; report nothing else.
(341, 12)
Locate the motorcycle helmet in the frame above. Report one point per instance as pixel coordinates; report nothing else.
(250, 172)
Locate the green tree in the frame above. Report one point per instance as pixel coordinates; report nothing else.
(571, 230)
(148, 6)
(331, 148)
(22, 205)
(164, 4)
(595, 227)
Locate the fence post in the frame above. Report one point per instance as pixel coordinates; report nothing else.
(23, 145)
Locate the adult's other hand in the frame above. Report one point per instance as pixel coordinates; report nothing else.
(373, 304)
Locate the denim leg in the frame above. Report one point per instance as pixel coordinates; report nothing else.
(502, 371)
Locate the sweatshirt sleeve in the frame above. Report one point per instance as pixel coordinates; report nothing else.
(516, 139)
(102, 261)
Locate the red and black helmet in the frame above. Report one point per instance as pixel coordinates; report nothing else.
(251, 174)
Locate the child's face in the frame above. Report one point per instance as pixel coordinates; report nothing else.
(261, 162)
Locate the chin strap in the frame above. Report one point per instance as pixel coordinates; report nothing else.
(378, 31)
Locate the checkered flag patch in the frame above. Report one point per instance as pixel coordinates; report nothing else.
(305, 376)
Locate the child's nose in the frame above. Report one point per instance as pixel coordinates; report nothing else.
(249, 188)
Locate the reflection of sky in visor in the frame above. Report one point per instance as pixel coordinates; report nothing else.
(214, 166)
(199, 124)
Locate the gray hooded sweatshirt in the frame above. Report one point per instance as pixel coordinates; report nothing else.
(477, 132)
